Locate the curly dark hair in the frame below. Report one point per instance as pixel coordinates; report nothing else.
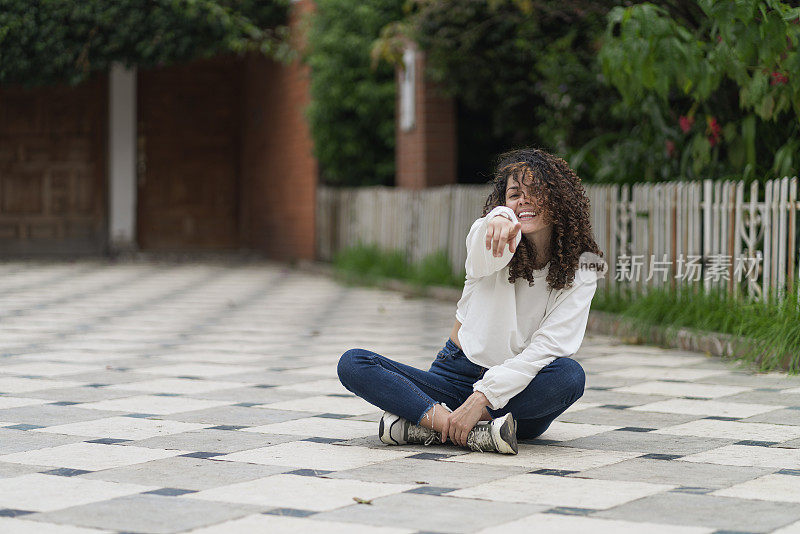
(562, 202)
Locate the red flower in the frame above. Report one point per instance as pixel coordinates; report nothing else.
(670, 145)
(778, 78)
(713, 130)
(686, 123)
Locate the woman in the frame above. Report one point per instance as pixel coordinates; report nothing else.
(523, 312)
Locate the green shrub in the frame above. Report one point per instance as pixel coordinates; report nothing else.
(67, 40)
(351, 113)
(769, 326)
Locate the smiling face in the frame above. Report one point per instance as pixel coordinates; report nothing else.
(527, 206)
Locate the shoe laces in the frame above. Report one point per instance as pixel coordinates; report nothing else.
(420, 434)
(480, 439)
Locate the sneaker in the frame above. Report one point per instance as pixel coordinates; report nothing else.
(394, 430)
(498, 435)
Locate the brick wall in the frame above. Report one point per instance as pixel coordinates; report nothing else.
(426, 155)
(278, 171)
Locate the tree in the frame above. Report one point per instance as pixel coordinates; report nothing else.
(523, 72)
(53, 41)
(715, 85)
(351, 114)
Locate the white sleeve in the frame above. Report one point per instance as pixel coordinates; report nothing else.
(560, 334)
(480, 261)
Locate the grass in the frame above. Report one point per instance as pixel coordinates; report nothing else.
(367, 264)
(768, 331)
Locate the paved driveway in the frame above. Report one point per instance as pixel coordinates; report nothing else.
(160, 398)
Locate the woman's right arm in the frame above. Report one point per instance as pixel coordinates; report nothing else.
(489, 234)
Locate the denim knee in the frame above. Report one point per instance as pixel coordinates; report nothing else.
(577, 377)
(348, 365)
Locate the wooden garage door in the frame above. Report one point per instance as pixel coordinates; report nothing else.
(188, 156)
(52, 169)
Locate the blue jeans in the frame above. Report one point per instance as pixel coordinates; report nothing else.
(410, 392)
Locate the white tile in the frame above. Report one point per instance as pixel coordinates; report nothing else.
(211, 357)
(177, 385)
(656, 360)
(681, 389)
(712, 428)
(14, 384)
(793, 528)
(706, 407)
(122, 428)
(326, 386)
(300, 492)
(746, 455)
(774, 487)
(562, 431)
(154, 404)
(325, 404)
(48, 368)
(322, 427)
(666, 373)
(16, 402)
(89, 456)
(561, 491)
(312, 455)
(22, 526)
(275, 524)
(582, 405)
(548, 457)
(199, 369)
(45, 493)
(323, 370)
(570, 524)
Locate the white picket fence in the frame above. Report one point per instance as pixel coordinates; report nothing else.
(743, 239)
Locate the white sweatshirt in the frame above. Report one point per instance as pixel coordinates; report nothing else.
(513, 329)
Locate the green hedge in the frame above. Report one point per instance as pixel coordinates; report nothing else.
(54, 41)
(352, 105)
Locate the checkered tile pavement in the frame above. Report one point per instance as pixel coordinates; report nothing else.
(161, 398)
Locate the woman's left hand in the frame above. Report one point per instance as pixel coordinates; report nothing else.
(464, 419)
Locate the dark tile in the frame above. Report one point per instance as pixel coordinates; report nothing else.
(654, 456)
(293, 512)
(568, 510)
(539, 441)
(63, 403)
(10, 512)
(333, 415)
(23, 426)
(322, 440)
(634, 429)
(615, 406)
(169, 492)
(109, 441)
(554, 472)
(430, 490)
(753, 443)
(65, 472)
(140, 415)
(793, 472)
(264, 386)
(202, 455)
(309, 472)
(721, 418)
(246, 404)
(430, 456)
(228, 427)
(692, 489)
